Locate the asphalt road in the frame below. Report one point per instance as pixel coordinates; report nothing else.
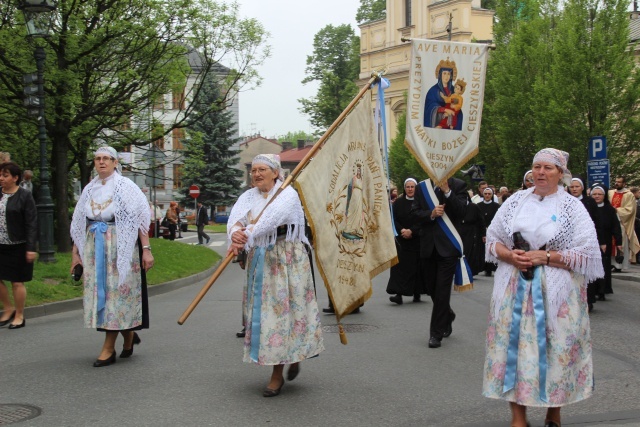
(193, 375)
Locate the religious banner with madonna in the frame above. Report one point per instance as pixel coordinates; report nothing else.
(446, 91)
(344, 193)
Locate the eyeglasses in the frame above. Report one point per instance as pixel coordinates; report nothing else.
(260, 171)
(103, 159)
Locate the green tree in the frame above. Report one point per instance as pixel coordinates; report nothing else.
(109, 61)
(402, 164)
(559, 76)
(210, 160)
(371, 10)
(335, 64)
(295, 136)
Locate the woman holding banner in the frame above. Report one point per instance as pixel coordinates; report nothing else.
(541, 293)
(279, 303)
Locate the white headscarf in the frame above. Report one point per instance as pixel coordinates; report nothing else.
(556, 157)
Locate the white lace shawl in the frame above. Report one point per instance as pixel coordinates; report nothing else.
(575, 240)
(131, 214)
(285, 209)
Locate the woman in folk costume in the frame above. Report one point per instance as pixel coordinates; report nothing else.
(110, 234)
(279, 302)
(405, 278)
(538, 343)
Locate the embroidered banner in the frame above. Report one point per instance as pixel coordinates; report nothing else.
(344, 193)
(446, 90)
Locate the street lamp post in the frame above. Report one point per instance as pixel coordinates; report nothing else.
(38, 16)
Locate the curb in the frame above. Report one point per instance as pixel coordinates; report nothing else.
(153, 290)
(626, 278)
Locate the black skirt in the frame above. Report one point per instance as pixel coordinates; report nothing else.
(13, 263)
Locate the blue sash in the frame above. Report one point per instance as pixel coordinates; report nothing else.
(256, 272)
(463, 278)
(514, 334)
(381, 122)
(98, 229)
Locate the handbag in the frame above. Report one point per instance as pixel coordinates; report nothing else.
(165, 222)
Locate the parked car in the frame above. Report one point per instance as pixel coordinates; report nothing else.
(221, 217)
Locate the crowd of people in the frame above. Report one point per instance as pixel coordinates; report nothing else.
(552, 244)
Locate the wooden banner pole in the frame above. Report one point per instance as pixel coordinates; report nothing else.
(286, 183)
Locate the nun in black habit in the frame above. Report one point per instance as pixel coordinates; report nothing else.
(607, 227)
(473, 232)
(578, 190)
(488, 209)
(405, 276)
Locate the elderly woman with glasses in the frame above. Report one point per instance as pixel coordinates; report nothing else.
(110, 234)
(280, 311)
(538, 343)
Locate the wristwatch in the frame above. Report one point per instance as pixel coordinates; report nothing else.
(147, 247)
(548, 257)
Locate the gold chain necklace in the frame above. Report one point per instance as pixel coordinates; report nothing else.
(100, 206)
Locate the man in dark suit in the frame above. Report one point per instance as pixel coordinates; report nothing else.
(202, 219)
(439, 255)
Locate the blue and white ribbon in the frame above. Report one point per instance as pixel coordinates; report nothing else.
(256, 273)
(381, 127)
(463, 275)
(514, 333)
(98, 229)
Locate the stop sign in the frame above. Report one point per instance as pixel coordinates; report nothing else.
(194, 191)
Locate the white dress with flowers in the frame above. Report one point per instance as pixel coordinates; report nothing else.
(279, 301)
(561, 224)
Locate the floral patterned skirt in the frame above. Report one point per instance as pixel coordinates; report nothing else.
(569, 364)
(289, 320)
(124, 303)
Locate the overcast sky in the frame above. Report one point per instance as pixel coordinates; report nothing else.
(272, 108)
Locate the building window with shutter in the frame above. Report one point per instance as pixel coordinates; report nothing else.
(177, 176)
(178, 137)
(178, 99)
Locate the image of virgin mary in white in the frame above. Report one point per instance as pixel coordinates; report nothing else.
(355, 224)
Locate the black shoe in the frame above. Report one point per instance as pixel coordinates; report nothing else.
(590, 307)
(396, 298)
(416, 298)
(293, 371)
(356, 311)
(242, 333)
(99, 363)
(127, 353)
(329, 310)
(617, 270)
(449, 330)
(19, 325)
(434, 342)
(208, 240)
(487, 273)
(269, 392)
(5, 322)
(601, 297)
(550, 424)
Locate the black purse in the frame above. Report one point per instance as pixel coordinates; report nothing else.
(241, 259)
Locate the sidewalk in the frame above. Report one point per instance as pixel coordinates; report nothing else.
(76, 303)
(632, 274)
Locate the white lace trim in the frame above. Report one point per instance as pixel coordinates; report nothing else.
(131, 214)
(575, 240)
(286, 209)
